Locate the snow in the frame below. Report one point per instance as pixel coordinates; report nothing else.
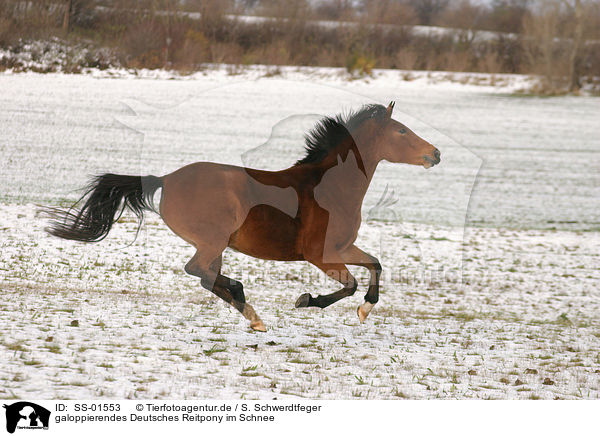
(505, 306)
(55, 55)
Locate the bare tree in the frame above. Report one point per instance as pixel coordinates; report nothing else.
(554, 43)
(508, 15)
(576, 9)
(295, 9)
(428, 10)
(67, 16)
(389, 12)
(335, 10)
(81, 13)
(463, 14)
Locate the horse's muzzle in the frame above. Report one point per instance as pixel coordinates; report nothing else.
(432, 160)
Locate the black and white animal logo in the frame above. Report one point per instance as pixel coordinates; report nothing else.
(26, 415)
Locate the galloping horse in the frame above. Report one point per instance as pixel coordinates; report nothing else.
(310, 211)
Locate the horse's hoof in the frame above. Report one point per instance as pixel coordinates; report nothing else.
(258, 326)
(364, 310)
(303, 300)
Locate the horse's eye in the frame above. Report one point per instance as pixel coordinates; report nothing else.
(402, 130)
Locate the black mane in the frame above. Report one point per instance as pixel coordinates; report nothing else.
(331, 131)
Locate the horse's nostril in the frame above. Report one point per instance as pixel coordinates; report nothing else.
(436, 153)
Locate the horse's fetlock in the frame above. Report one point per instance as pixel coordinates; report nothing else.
(373, 299)
(237, 292)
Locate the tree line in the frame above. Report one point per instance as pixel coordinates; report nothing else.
(556, 39)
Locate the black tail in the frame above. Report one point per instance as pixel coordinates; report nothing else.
(105, 201)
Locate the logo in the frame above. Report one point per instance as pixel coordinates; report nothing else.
(25, 415)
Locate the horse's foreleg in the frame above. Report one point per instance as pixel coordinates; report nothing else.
(231, 291)
(336, 271)
(355, 256)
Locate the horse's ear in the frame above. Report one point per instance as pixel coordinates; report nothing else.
(390, 108)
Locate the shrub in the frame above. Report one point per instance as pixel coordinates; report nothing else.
(359, 64)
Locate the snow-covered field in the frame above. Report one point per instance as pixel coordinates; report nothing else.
(512, 209)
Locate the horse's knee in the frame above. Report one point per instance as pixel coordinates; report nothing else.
(376, 266)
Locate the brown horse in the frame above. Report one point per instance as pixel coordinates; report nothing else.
(310, 211)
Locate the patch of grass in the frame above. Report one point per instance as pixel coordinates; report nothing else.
(53, 348)
(307, 345)
(359, 380)
(564, 319)
(15, 346)
(398, 393)
(300, 361)
(10, 396)
(76, 383)
(212, 350)
(64, 309)
(250, 371)
(19, 377)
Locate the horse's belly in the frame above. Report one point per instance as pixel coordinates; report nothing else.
(267, 233)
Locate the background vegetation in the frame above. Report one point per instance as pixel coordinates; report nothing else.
(557, 39)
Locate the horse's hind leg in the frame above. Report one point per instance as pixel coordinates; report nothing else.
(231, 291)
(236, 289)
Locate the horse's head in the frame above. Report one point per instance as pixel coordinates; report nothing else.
(397, 143)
